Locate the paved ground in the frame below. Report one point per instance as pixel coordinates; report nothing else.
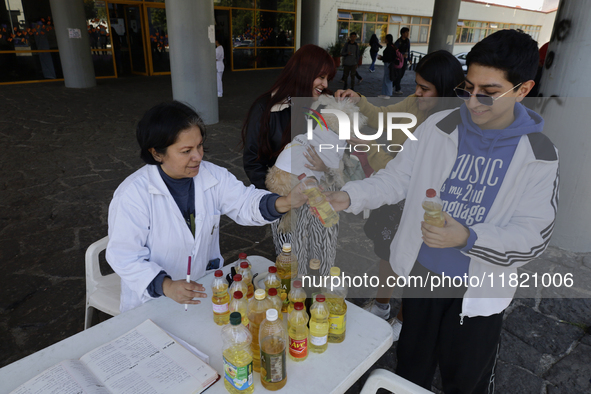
(65, 152)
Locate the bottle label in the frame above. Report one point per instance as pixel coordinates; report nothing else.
(273, 366)
(239, 377)
(221, 308)
(298, 348)
(337, 324)
(318, 341)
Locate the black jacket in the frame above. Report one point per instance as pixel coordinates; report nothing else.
(256, 170)
(389, 53)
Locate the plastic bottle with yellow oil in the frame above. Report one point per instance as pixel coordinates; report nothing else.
(276, 301)
(238, 376)
(238, 285)
(338, 309)
(239, 304)
(298, 333)
(273, 341)
(313, 283)
(220, 299)
(433, 209)
(272, 280)
(318, 325)
(257, 307)
(287, 269)
(296, 294)
(247, 278)
(317, 201)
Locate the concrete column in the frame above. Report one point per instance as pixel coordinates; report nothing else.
(443, 25)
(75, 56)
(191, 38)
(566, 83)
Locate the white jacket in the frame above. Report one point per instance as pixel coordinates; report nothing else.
(147, 232)
(517, 228)
(219, 59)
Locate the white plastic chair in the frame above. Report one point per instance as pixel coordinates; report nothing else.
(383, 379)
(102, 292)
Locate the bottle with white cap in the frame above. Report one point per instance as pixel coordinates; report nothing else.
(287, 269)
(273, 342)
(257, 307)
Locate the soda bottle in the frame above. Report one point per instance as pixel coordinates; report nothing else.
(298, 333)
(276, 301)
(238, 376)
(313, 283)
(433, 209)
(240, 304)
(338, 310)
(273, 340)
(272, 280)
(296, 294)
(287, 268)
(318, 325)
(242, 257)
(238, 284)
(220, 299)
(317, 201)
(257, 307)
(247, 278)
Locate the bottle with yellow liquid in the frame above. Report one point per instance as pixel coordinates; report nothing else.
(296, 294)
(298, 333)
(313, 283)
(273, 340)
(337, 306)
(242, 257)
(272, 280)
(318, 325)
(220, 299)
(247, 278)
(433, 209)
(257, 307)
(287, 269)
(238, 360)
(238, 284)
(276, 301)
(240, 304)
(317, 201)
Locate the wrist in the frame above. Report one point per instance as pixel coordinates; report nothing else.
(283, 204)
(166, 285)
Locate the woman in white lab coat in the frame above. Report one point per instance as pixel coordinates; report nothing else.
(170, 209)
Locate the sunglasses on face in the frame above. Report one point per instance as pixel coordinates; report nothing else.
(483, 99)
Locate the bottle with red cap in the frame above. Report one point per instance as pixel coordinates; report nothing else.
(433, 209)
(277, 302)
(296, 294)
(319, 206)
(246, 273)
(242, 257)
(298, 332)
(272, 280)
(220, 299)
(319, 325)
(240, 304)
(238, 284)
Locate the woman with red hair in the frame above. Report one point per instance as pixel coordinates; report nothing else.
(267, 129)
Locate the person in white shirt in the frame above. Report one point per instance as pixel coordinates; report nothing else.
(219, 65)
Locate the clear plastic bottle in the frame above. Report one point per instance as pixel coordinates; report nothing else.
(296, 294)
(318, 325)
(433, 209)
(238, 284)
(287, 269)
(338, 310)
(240, 304)
(242, 257)
(238, 376)
(276, 301)
(272, 280)
(313, 283)
(317, 201)
(247, 278)
(298, 333)
(257, 307)
(273, 340)
(220, 299)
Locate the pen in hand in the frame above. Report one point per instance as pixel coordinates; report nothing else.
(188, 276)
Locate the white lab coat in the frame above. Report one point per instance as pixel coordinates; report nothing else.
(147, 232)
(219, 59)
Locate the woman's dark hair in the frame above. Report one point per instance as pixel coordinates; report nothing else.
(296, 80)
(389, 39)
(374, 39)
(160, 126)
(511, 51)
(443, 70)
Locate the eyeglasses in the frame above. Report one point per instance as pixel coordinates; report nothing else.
(483, 99)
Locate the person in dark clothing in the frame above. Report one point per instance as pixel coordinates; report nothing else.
(374, 47)
(350, 55)
(403, 45)
(387, 57)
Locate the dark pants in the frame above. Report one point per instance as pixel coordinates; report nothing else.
(432, 334)
(399, 76)
(349, 70)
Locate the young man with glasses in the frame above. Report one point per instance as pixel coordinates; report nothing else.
(497, 176)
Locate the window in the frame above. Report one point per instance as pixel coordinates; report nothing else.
(469, 32)
(367, 23)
